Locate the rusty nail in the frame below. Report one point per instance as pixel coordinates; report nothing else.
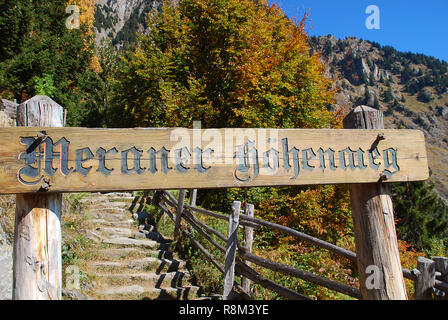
(380, 137)
(45, 186)
(383, 176)
(41, 135)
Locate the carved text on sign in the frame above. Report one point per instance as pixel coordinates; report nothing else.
(45, 157)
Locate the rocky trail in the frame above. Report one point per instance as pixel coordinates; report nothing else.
(132, 260)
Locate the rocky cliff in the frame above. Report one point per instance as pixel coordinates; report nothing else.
(120, 20)
(411, 90)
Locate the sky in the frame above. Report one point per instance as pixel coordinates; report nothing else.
(415, 26)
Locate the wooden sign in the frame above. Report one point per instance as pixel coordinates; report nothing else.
(81, 159)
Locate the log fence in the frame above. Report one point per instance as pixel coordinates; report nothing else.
(430, 277)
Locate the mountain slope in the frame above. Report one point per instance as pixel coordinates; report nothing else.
(120, 20)
(411, 90)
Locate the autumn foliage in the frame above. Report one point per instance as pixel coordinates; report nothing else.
(228, 63)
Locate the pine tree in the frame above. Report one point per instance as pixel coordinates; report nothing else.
(41, 55)
(421, 214)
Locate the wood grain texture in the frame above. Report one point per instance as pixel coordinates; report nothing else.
(374, 226)
(426, 279)
(231, 247)
(179, 210)
(248, 241)
(37, 266)
(225, 167)
(37, 271)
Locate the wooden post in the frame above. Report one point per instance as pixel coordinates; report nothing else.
(373, 219)
(248, 240)
(179, 210)
(425, 279)
(232, 242)
(37, 266)
(442, 266)
(193, 196)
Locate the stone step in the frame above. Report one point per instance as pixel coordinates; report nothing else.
(146, 263)
(129, 242)
(116, 231)
(111, 204)
(148, 279)
(134, 252)
(109, 209)
(123, 292)
(117, 194)
(134, 262)
(122, 223)
(108, 216)
(119, 253)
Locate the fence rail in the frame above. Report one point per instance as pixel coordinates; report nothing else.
(430, 277)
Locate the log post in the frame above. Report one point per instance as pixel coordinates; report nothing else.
(442, 267)
(37, 266)
(232, 243)
(248, 240)
(425, 279)
(179, 210)
(193, 196)
(380, 271)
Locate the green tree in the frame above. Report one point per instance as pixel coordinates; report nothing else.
(39, 54)
(226, 63)
(420, 212)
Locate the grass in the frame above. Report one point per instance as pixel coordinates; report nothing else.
(77, 248)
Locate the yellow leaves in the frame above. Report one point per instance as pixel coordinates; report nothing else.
(231, 63)
(87, 10)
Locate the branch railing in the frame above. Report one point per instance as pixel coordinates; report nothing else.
(430, 277)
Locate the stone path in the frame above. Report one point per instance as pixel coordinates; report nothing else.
(132, 261)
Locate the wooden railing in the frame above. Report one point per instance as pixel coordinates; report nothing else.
(430, 277)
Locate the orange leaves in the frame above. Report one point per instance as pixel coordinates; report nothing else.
(231, 63)
(322, 211)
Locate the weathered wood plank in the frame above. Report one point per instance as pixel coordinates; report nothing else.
(37, 266)
(248, 240)
(179, 211)
(193, 196)
(81, 159)
(374, 226)
(231, 247)
(426, 278)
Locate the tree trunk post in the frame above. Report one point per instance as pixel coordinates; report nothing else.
(425, 279)
(232, 243)
(380, 271)
(248, 240)
(193, 196)
(37, 260)
(179, 210)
